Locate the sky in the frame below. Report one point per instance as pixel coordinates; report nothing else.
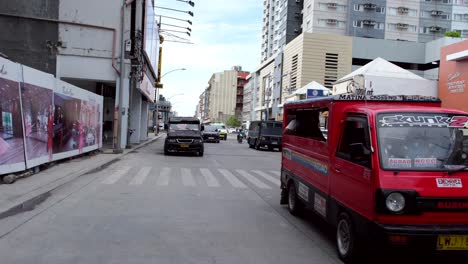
(225, 34)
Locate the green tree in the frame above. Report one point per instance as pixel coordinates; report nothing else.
(453, 34)
(233, 122)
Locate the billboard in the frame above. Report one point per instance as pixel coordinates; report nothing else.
(44, 119)
(11, 128)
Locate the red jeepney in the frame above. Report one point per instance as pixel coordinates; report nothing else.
(390, 170)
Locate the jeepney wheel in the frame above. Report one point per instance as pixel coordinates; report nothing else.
(294, 205)
(257, 146)
(346, 239)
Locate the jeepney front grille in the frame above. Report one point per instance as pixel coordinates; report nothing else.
(184, 140)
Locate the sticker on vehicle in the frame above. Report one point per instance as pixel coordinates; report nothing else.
(399, 163)
(303, 192)
(425, 162)
(449, 183)
(320, 205)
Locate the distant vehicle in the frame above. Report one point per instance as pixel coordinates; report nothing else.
(232, 130)
(222, 130)
(210, 134)
(184, 135)
(265, 134)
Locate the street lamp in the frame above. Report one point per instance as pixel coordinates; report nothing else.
(181, 69)
(175, 18)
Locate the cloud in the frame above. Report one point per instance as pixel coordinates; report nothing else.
(225, 33)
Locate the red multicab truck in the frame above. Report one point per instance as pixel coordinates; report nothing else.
(391, 171)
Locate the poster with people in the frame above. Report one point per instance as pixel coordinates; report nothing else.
(43, 119)
(11, 128)
(38, 115)
(77, 120)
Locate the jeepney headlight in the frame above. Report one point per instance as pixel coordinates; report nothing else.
(263, 138)
(171, 140)
(395, 202)
(197, 141)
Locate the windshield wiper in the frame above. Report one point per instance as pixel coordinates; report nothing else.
(460, 168)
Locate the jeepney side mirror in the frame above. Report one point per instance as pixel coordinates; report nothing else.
(356, 151)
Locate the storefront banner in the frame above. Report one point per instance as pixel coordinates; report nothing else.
(77, 121)
(147, 88)
(37, 91)
(11, 125)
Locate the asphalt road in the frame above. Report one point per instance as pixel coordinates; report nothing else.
(150, 208)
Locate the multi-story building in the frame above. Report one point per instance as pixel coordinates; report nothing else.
(241, 82)
(419, 20)
(82, 43)
(282, 20)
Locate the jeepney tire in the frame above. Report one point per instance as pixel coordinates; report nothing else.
(346, 239)
(257, 146)
(200, 154)
(295, 206)
(166, 152)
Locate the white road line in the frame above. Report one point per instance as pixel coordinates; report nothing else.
(232, 179)
(268, 177)
(140, 176)
(116, 175)
(253, 180)
(187, 177)
(163, 179)
(277, 173)
(211, 181)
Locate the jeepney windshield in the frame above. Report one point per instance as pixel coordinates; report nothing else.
(423, 141)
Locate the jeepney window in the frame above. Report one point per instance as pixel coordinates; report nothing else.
(308, 123)
(355, 142)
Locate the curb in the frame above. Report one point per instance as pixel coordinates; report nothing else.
(28, 201)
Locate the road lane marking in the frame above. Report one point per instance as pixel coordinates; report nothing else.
(268, 177)
(232, 179)
(253, 180)
(187, 177)
(140, 176)
(119, 172)
(211, 181)
(163, 179)
(277, 173)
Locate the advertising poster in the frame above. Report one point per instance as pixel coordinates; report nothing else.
(38, 115)
(11, 127)
(77, 121)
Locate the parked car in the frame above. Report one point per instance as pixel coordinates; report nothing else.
(265, 134)
(184, 135)
(210, 134)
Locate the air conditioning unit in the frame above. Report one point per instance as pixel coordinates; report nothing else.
(369, 6)
(436, 13)
(369, 22)
(402, 26)
(434, 29)
(332, 5)
(332, 21)
(403, 10)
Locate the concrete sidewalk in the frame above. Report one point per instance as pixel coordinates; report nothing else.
(28, 190)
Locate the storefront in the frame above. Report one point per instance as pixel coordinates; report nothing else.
(453, 76)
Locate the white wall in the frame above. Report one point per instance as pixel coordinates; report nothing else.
(88, 51)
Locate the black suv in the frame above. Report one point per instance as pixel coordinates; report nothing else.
(265, 134)
(211, 134)
(184, 135)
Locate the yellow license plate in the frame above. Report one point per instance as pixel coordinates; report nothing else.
(184, 145)
(452, 243)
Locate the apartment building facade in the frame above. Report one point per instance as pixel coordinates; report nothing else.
(420, 20)
(282, 22)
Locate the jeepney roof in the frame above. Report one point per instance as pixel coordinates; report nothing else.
(184, 120)
(374, 104)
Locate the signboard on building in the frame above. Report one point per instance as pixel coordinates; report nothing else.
(453, 76)
(147, 88)
(312, 93)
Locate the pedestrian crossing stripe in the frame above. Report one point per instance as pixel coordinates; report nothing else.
(213, 178)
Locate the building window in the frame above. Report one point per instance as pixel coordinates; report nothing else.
(357, 23)
(380, 10)
(308, 25)
(331, 69)
(293, 75)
